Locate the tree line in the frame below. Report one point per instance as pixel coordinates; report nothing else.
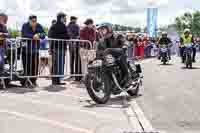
(188, 20)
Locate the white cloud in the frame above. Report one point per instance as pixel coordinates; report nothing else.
(128, 12)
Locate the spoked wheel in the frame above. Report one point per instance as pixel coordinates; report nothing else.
(99, 87)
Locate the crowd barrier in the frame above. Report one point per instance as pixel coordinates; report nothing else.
(6, 61)
(61, 59)
(24, 59)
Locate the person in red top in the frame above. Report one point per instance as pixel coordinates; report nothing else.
(88, 32)
(140, 48)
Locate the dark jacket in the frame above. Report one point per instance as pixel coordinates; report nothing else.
(164, 41)
(27, 32)
(58, 31)
(73, 30)
(111, 42)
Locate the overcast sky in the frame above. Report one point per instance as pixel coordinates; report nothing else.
(126, 12)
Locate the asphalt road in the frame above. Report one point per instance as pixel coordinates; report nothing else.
(170, 99)
(62, 109)
(169, 102)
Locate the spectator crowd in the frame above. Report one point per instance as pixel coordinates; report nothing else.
(139, 46)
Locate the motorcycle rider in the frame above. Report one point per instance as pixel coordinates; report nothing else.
(186, 38)
(164, 40)
(113, 44)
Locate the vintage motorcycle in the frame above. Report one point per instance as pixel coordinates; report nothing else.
(164, 56)
(105, 78)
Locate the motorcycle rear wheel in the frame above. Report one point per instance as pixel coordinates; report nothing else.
(91, 91)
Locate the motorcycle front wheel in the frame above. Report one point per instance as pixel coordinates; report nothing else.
(188, 61)
(164, 59)
(96, 84)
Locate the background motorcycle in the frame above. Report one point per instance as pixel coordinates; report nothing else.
(105, 78)
(164, 54)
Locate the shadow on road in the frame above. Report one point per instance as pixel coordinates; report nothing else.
(17, 89)
(54, 88)
(115, 102)
(193, 68)
(166, 64)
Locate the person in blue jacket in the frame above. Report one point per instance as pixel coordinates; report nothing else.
(75, 61)
(33, 31)
(58, 48)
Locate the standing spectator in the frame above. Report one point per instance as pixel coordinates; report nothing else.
(130, 39)
(140, 48)
(57, 48)
(30, 53)
(135, 50)
(88, 32)
(147, 49)
(75, 60)
(3, 35)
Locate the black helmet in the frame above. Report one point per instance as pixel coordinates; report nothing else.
(60, 16)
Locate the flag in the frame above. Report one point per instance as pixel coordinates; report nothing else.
(152, 14)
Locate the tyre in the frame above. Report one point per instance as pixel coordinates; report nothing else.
(106, 88)
(164, 62)
(164, 59)
(135, 91)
